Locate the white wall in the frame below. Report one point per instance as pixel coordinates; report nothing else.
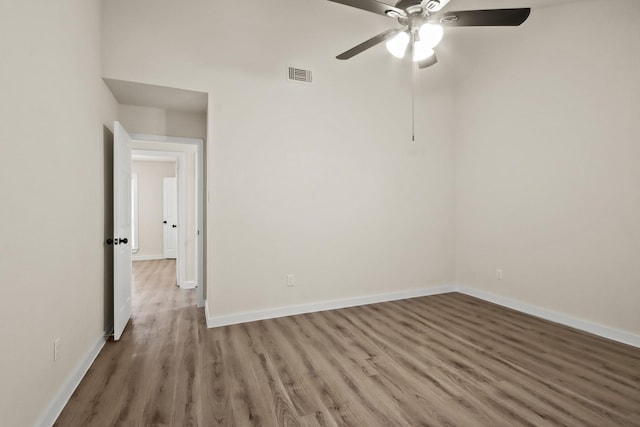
(548, 159)
(150, 205)
(159, 121)
(333, 192)
(52, 182)
(319, 180)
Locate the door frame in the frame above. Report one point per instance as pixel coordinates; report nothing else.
(166, 236)
(200, 192)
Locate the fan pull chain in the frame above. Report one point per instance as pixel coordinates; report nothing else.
(413, 101)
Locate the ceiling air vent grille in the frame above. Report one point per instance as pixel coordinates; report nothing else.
(299, 75)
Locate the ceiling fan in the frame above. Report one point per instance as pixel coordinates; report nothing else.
(422, 25)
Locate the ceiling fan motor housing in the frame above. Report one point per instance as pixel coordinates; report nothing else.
(411, 7)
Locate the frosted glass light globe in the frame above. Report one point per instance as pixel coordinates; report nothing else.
(431, 34)
(421, 51)
(397, 46)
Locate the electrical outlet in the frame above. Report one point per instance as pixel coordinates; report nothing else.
(56, 349)
(499, 274)
(291, 279)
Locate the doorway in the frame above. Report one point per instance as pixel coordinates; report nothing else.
(180, 176)
(149, 111)
(158, 148)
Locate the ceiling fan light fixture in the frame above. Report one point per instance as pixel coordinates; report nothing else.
(421, 51)
(431, 34)
(397, 46)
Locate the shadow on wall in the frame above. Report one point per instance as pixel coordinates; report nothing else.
(108, 229)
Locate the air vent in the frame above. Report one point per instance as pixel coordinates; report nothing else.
(299, 75)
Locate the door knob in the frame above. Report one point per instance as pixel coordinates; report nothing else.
(164, 222)
(174, 226)
(109, 241)
(124, 241)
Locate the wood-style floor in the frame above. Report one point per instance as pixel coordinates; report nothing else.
(443, 360)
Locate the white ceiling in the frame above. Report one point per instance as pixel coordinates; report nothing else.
(132, 93)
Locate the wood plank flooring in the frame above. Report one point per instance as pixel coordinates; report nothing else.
(445, 360)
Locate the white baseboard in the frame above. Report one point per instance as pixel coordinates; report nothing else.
(543, 313)
(554, 316)
(146, 257)
(250, 316)
(64, 394)
(189, 285)
(206, 314)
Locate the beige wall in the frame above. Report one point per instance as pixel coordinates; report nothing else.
(318, 180)
(150, 205)
(53, 109)
(159, 121)
(548, 164)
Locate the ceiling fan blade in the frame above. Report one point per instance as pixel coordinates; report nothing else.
(432, 60)
(484, 18)
(384, 36)
(373, 6)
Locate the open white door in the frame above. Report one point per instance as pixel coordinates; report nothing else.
(170, 216)
(121, 229)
